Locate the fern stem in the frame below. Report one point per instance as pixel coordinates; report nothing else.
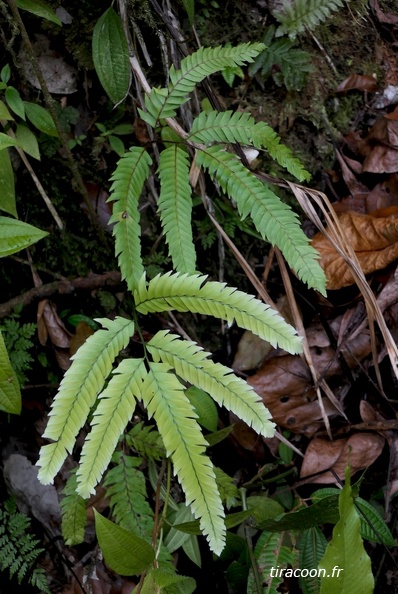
(253, 561)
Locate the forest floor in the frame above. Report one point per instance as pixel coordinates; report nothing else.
(332, 96)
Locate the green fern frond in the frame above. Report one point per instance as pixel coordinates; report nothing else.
(195, 68)
(229, 127)
(128, 179)
(191, 293)
(146, 441)
(272, 218)
(175, 207)
(164, 398)
(191, 364)
(126, 491)
(304, 14)
(78, 391)
(115, 409)
(73, 508)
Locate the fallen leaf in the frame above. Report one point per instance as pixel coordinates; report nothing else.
(83, 331)
(374, 240)
(383, 195)
(361, 82)
(359, 451)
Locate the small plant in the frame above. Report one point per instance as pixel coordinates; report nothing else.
(300, 15)
(18, 549)
(17, 338)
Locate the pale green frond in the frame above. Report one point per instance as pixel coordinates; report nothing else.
(192, 365)
(164, 398)
(237, 127)
(128, 179)
(300, 15)
(191, 293)
(78, 391)
(175, 207)
(273, 219)
(115, 409)
(74, 516)
(195, 68)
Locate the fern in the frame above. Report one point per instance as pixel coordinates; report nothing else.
(272, 218)
(73, 508)
(304, 14)
(164, 398)
(162, 103)
(116, 407)
(78, 391)
(17, 338)
(18, 549)
(175, 206)
(191, 364)
(228, 127)
(128, 180)
(146, 441)
(191, 293)
(126, 490)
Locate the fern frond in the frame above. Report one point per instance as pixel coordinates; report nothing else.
(146, 441)
(164, 398)
(213, 126)
(128, 179)
(194, 69)
(273, 219)
(191, 364)
(78, 391)
(126, 491)
(175, 206)
(115, 409)
(73, 508)
(304, 14)
(191, 293)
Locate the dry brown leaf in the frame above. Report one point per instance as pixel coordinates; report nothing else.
(83, 331)
(361, 82)
(375, 242)
(285, 384)
(384, 195)
(359, 451)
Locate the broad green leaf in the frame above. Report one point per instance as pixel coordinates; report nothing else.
(7, 185)
(263, 508)
(204, 407)
(111, 56)
(27, 141)
(15, 102)
(10, 396)
(312, 546)
(4, 113)
(218, 436)
(346, 563)
(124, 552)
(189, 6)
(167, 582)
(16, 235)
(6, 141)
(5, 73)
(40, 118)
(40, 9)
(176, 538)
(192, 550)
(116, 145)
(322, 512)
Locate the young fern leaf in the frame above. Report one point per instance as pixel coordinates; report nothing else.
(115, 409)
(126, 491)
(74, 517)
(78, 391)
(191, 293)
(195, 68)
(128, 179)
(304, 14)
(229, 127)
(175, 206)
(273, 219)
(164, 398)
(191, 364)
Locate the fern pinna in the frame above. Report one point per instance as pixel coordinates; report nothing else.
(159, 379)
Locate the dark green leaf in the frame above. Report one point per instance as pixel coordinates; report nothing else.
(10, 396)
(15, 102)
(16, 235)
(40, 9)
(204, 407)
(40, 118)
(322, 512)
(7, 185)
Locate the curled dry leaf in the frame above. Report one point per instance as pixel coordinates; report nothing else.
(49, 324)
(359, 451)
(375, 241)
(285, 383)
(360, 82)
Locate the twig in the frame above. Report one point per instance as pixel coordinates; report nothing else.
(94, 281)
